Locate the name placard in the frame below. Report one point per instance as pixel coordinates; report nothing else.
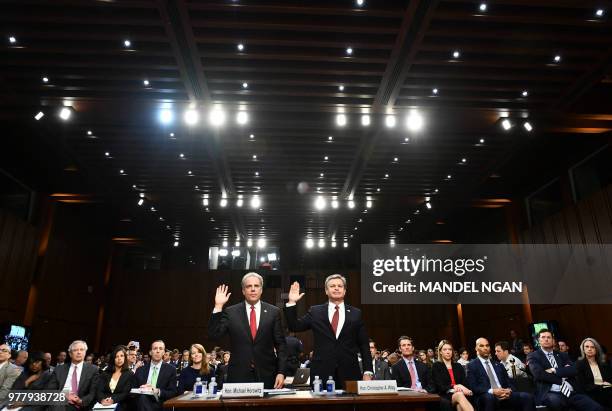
(243, 390)
(376, 387)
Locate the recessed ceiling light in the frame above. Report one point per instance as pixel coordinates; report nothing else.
(89, 132)
(217, 117)
(456, 54)
(464, 160)
(252, 136)
(320, 203)
(360, 3)
(333, 244)
(395, 159)
(345, 244)
(378, 189)
(166, 116)
(171, 134)
(334, 204)
(39, 115)
(242, 118)
(351, 204)
(448, 176)
(414, 121)
(146, 82)
(599, 12)
(189, 172)
(341, 120)
(525, 93)
(365, 120)
(107, 154)
(254, 157)
(482, 7)
(191, 117)
(330, 138)
(12, 39)
(506, 124)
(527, 126)
(309, 243)
(223, 202)
(240, 47)
(386, 175)
(65, 113)
(326, 158)
(182, 155)
(390, 121)
(349, 50)
(127, 43)
(321, 175)
(434, 91)
(122, 171)
(557, 58)
(257, 174)
(341, 87)
(140, 202)
(482, 140)
(406, 139)
(45, 79)
(245, 85)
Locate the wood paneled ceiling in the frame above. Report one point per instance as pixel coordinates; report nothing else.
(287, 64)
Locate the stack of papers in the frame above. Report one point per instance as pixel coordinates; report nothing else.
(280, 391)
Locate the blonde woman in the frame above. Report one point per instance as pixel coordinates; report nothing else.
(448, 377)
(198, 367)
(594, 375)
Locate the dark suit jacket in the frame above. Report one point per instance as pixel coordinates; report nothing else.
(251, 358)
(126, 382)
(87, 384)
(538, 364)
(337, 357)
(402, 375)
(440, 378)
(166, 382)
(381, 370)
(478, 379)
(585, 379)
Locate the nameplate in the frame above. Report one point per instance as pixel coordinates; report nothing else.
(372, 387)
(243, 390)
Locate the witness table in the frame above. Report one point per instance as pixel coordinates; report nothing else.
(305, 400)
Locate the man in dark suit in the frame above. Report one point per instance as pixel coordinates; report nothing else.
(553, 373)
(379, 366)
(489, 382)
(255, 330)
(408, 372)
(294, 349)
(155, 376)
(339, 334)
(77, 377)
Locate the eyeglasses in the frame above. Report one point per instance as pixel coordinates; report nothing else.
(4, 350)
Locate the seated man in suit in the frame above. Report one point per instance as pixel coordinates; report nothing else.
(8, 373)
(489, 382)
(380, 367)
(554, 375)
(77, 377)
(408, 372)
(156, 376)
(513, 365)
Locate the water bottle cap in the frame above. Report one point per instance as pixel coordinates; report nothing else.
(198, 379)
(316, 377)
(212, 378)
(330, 377)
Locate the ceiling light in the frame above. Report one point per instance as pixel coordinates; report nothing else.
(12, 39)
(257, 174)
(309, 243)
(141, 195)
(506, 124)
(107, 154)
(330, 138)
(255, 202)
(527, 126)
(122, 171)
(189, 172)
(140, 202)
(171, 135)
(434, 91)
(251, 136)
(237, 243)
(392, 242)
(525, 93)
(369, 204)
(365, 120)
(321, 175)
(334, 203)
(414, 121)
(191, 117)
(245, 85)
(321, 243)
(390, 121)
(223, 202)
(127, 43)
(261, 243)
(360, 3)
(482, 140)
(176, 244)
(254, 157)
(349, 51)
(448, 176)
(236, 253)
(222, 252)
(345, 244)
(341, 87)
(333, 244)
(205, 202)
(378, 189)
(428, 205)
(242, 117)
(224, 243)
(89, 132)
(166, 116)
(599, 12)
(463, 160)
(240, 202)
(557, 58)
(341, 120)
(326, 158)
(182, 155)
(249, 243)
(146, 83)
(456, 54)
(395, 159)
(320, 203)
(216, 117)
(45, 79)
(65, 113)
(482, 7)
(351, 204)
(39, 115)
(240, 47)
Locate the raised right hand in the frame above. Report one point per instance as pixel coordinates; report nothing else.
(294, 292)
(222, 296)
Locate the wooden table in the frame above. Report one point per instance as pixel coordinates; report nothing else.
(305, 400)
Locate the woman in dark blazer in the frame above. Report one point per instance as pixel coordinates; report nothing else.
(447, 379)
(35, 376)
(116, 382)
(594, 376)
(199, 368)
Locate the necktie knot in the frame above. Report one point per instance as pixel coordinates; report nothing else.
(337, 308)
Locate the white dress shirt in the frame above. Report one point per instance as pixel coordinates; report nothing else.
(68, 383)
(483, 360)
(257, 312)
(154, 365)
(553, 387)
(331, 309)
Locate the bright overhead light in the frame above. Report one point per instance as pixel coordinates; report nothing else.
(464, 160)
(557, 58)
(525, 93)
(223, 202)
(249, 243)
(341, 87)
(176, 244)
(245, 85)
(254, 157)
(326, 158)
(333, 244)
(127, 43)
(242, 117)
(12, 39)
(146, 83)
(122, 171)
(141, 195)
(239, 202)
(240, 47)
(39, 115)
(390, 121)
(140, 202)
(166, 116)
(448, 176)
(387, 175)
(89, 132)
(341, 120)
(434, 91)
(392, 242)
(320, 203)
(599, 12)
(222, 252)
(321, 243)
(395, 159)
(506, 124)
(456, 54)
(182, 155)
(257, 174)
(255, 202)
(191, 117)
(482, 7)
(309, 243)
(414, 121)
(334, 203)
(236, 253)
(330, 138)
(205, 202)
(369, 204)
(189, 172)
(216, 117)
(65, 113)
(365, 120)
(45, 79)
(360, 2)
(261, 243)
(107, 154)
(527, 126)
(349, 50)
(224, 243)
(345, 244)
(428, 205)
(251, 136)
(351, 204)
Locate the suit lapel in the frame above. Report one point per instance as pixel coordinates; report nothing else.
(325, 318)
(347, 320)
(85, 374)
(263, 316)
(245, 319)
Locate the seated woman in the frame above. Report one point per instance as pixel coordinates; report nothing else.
(448, 377)
(116, 382)
(594, 374)
(464, 357)
(35, 376)
(198, 367)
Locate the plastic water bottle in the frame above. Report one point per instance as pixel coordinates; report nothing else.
(331, 385)
(212, 386)
(198, 388)
(316, 384)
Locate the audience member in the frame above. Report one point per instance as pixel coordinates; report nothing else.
(8, 373)
(116, 382)
(184, 360)
(431, 356)
(594, 375)
(222, 368)
(48, 358)
(448, 380)
(35, 376)
(424, 359)
(132, 360)
(198, 368)
(158, 377)
(61, 358)
(464, 357)
(21, 358)
(380, 367)
(516, 345)
(514, 366)
(564, 347)
(408, 372)
(490, 384)
(294, 349)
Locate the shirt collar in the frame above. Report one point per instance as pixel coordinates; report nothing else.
(79, 365)
(332, 306)
(156, 364)
(547, 353)
(482, 360)
(257, 305)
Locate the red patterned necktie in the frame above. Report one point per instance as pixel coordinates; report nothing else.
(334, 321)
(413, 377)
(253, 321)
